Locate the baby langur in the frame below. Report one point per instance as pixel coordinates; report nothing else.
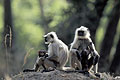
(55, 58)
(83, 53)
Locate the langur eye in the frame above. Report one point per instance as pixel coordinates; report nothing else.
(51, 36)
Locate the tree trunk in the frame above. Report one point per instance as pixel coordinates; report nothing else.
(44, 22)
(8, 26)
(116, 60)
(99, 8)
(109, 36)
(8, 37)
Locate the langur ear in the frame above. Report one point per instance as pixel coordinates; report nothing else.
(51, 36)
(88, 30)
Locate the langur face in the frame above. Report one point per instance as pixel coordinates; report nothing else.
(41, 54)
(49, 38)
(82, 32)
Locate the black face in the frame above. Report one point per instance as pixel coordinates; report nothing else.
(46, 39)
(80, 33)
(41, 54)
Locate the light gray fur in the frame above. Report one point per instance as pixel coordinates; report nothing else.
(57, 51)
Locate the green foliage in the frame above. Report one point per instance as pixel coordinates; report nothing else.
(26, 15)
(1, 17)
(108, 7)
(28, 26)
(117, 36)
(55, 9)
(99, 37)
(1, 21)
(27, 19)
(28, 31)
(103, 24)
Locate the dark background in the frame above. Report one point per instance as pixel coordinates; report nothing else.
(24, 22)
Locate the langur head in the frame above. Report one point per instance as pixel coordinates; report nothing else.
(82, 32)
(50, 37)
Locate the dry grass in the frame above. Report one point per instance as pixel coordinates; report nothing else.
(6, 53)
(26, 56)
(7, 77)
(60, 75)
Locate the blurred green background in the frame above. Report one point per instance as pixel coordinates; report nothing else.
(24, 22)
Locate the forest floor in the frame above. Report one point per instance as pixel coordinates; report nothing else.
(60, 75)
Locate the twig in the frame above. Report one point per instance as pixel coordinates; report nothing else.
(10, 44)
(27, 54)
(6, 51)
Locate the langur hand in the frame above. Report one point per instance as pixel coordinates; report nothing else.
(42, 58)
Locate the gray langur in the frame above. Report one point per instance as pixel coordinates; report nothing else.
(56, 57)
(83, 53)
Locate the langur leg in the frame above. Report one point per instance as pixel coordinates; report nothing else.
(95, 68)
(38, 63)
(90, 63)
(49, 63)
(75, 63)
(95, 63)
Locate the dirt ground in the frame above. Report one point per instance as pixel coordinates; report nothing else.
(61, 75)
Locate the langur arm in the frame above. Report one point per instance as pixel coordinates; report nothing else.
(92, 48)
(53, 57)
(73, 48)
(53, 53)
(94, 53)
